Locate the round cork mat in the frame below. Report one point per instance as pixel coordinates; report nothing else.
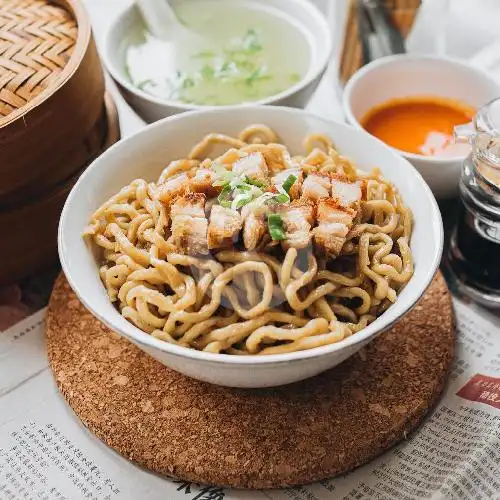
(265, 438)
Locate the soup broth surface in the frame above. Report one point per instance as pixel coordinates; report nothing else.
(420, 125)
(242, 53)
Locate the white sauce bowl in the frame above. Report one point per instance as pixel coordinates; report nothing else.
(408, 75)
(146, 153)
(151, 108)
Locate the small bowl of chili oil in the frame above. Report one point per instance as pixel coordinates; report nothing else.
(412, 103)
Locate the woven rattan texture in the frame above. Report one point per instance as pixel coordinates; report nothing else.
(37, 38)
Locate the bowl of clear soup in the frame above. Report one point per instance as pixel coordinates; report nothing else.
(258, 52)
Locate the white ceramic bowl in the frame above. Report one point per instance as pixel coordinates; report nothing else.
(150, 108)
(146, 153)
(419, 75)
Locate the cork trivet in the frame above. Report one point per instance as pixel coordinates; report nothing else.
(265, 438)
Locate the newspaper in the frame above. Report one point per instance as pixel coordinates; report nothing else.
(46, 453)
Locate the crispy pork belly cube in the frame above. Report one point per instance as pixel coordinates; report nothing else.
(172, 188)
(189, 224)
(224, 227)
(334, 222)
(276, 156)
(253, 166)
(254, 226)
(317, 186)
(297, 218)
(280, 178)
(347, 193)
(202, 182)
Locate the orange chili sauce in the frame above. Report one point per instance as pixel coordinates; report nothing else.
(422, 125)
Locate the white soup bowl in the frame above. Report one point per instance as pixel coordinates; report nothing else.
(300, 12)
(146, 153)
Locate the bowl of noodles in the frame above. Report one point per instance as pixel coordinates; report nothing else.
(250, 248)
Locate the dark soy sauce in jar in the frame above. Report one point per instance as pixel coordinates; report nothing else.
(474, 255)
(476, 252)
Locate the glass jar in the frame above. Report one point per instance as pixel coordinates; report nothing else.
(474, 253)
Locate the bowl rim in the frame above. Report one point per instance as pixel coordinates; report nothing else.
(143, 339)
(313, 73)
(409, 57)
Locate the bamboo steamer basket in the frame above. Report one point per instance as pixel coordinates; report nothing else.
(29, 239)
(52, 113)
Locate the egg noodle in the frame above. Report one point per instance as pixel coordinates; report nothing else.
(267, 300)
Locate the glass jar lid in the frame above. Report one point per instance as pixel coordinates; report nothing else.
(483, 133)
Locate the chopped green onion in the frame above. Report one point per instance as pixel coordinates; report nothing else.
(241, 199)
(262, 200)
(253, 76)
(188, 83)
(227, 69)
(207, 72)
(289, 182)
(254, 182)
(243, 187)
(225, 204)
(282, 198)
(224, 195)
(220, 182)
(244, 200)
(222, 174)
(275, 225)
(251, 42)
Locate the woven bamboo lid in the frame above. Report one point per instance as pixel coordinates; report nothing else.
(36, 42)
(51, 96)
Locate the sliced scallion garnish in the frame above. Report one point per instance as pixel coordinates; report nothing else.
(289, 182)
(275, 225)
(225, 195)
(222, 174)
(241, 201)
(282, 198)
(255, 182)
(243, 187)
(251, 43)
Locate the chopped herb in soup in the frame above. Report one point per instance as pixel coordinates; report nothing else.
(241, 54)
